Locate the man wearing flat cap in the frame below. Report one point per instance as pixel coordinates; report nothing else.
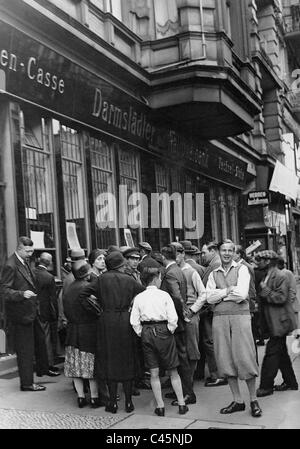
(145, 252)
(278, 321)
(133, 257)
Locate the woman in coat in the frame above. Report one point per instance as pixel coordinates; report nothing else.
(81, 336)
(116, 344)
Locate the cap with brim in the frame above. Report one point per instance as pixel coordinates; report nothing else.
(266, 254)
(131, 252)
(177, 246)
(145, 245)
(80, 269)
(195, 250)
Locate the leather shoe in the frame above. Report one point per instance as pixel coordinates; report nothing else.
(129, 407)
(284, 387)
(81, 402)
(112, 408)
(160, 411)
(33, 387)
(256, 411)
(233, 407)
(96, 402)
(187, 399)
(261, 392)
(216, 382)
(183, 409)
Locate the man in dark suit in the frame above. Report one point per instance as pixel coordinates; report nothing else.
(48, 307)
(19, 290)
(173, 282)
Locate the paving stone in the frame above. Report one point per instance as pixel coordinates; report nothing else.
(152, 422)
(23, 419)
(221, 425)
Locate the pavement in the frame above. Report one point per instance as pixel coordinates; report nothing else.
(56, 408)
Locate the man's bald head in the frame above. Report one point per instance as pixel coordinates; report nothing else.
(46, 259)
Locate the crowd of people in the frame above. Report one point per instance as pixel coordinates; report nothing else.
(135, 317)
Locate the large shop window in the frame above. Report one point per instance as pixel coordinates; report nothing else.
(74, 186)
(37, 179)
(129, 179)
(103, 193)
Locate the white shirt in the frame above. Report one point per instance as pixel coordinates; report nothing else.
(153, 305)
(199, 289)
(239, 292)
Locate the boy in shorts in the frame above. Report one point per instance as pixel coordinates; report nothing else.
(154, 319)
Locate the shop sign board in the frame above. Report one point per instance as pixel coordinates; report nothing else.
(33, 72)
(258, 198)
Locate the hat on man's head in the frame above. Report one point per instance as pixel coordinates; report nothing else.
(112, 248)
(145, 245)
(124, 248)
(195, 250)
(115, 260)
(267, 254)
(187, 246)
(80, 269)
(132, 252)
(178, 246)
(76, 254)
(151, 266)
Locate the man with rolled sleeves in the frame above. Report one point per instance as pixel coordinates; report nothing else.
(19, 290)
(227, 290)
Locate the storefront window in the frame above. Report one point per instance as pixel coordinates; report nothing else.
(68, 142)
(162, 185)
(129, 177)
(103, 188)
(37, 181)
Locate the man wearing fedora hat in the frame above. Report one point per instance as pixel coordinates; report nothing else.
(278, 321)
(191, 254)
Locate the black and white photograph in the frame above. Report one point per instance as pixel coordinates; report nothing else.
(149, 217)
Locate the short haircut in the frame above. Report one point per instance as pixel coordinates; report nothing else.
(225, 241)
(169, 252)
(280, 263)
(240, 250)
(45, 259)
(26, 241)
(148, 275)
(211, 245)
